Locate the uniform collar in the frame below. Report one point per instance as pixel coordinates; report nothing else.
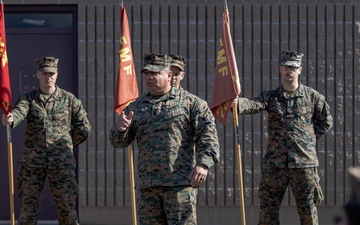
(55, 96)
(300, 92)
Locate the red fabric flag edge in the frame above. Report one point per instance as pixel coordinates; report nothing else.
(5, 89)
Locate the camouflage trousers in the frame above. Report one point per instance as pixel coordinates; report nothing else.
(63, 186)
(305, 187)
(167, 205)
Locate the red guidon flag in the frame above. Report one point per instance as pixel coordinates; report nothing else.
(126, 86)
(5, 90)
(226, 80)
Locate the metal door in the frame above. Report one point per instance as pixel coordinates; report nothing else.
(33, 32)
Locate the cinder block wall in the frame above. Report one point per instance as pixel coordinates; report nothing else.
(326, 31)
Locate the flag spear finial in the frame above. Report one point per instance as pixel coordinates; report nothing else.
(122, 2)
(225, 6)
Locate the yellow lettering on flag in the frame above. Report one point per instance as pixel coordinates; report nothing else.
(123, 40)
(221, 57)
(124, 54)
(220, 111)
(6, 105)
(222, 108)
(3, 53)
(224, 71)
(128, 69)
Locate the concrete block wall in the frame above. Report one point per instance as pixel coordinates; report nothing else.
(326, 31)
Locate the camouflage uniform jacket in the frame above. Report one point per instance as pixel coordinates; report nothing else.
(54, 126)
(294, 124)
(174, 134)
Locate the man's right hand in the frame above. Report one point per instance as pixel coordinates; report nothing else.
(123, 121)
(7, 120)
(234, 102)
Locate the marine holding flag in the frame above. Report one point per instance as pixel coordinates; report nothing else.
(56, 123)
(177, 141)
(297, 116)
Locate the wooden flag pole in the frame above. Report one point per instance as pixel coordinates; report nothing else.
(238, 157)
(132, 184)
(11, 176)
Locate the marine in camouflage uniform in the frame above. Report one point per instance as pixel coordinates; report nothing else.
(177, 68)
(56, 123)
(297, 116)
(177, 141)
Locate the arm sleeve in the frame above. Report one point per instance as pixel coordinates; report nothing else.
(20, 110)
(81, 127)
(207, 144)
(323, 119)
(252, 105)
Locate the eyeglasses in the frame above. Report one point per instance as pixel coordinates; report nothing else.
(289, 68)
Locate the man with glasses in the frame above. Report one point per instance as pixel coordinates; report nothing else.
(297, 116)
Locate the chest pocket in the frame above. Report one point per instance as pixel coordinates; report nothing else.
(303, 111)
(60, 119)
(36, 114)
(174, 119)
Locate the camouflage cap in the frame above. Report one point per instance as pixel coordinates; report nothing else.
(178, 61)
(291, 58)
(156, 62)
(48, 64)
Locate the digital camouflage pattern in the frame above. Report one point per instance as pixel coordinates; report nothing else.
(48, 64)
(273, 186)
(156, 62)
(63, 186)
(295, 122)
(174, 134)
(55, 125)
(179, 202)
(178, 61)
(291, 58)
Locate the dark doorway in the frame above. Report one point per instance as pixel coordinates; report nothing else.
(34, 31)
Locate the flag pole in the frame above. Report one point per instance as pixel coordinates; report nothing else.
(11, 175)
(238, 157)
(132, 184)
(130, 150)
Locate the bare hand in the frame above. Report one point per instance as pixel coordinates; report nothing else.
(234, 102)
(198, 175)
(7, 120)
(123, 121)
